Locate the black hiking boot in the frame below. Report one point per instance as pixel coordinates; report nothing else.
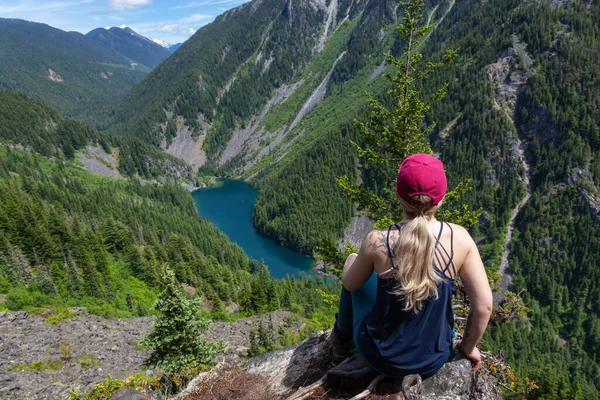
(342, 346)
(353, 374)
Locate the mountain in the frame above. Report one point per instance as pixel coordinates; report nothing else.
(130, 44)
(174, 47)
(161, 43)
(171, 47)
(272, 96)
(67, 69)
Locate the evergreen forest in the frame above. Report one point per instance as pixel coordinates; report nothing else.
(274, 95)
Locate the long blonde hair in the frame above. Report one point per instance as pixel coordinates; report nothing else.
(416, 275)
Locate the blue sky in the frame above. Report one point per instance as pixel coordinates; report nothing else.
(169, 20)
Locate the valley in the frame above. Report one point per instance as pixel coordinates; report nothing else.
(105, 135)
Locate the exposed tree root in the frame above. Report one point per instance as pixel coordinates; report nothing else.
(305, 392)
(408, 382)
(369, 388)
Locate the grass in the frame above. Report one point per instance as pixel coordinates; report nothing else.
(137, 67)
(40, 365)
(107, 387)
(88, 361)
(138, 346)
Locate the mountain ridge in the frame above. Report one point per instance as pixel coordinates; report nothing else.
(66, 69)
(131, 44)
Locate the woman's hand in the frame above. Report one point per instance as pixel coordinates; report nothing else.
(474, 356)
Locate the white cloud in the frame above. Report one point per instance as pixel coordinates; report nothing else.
(202, 3)
(128, 4)
(32, 7)
(185, 27)
(192, 19)
(189, 5)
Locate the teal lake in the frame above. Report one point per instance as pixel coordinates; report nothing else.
(228, 205)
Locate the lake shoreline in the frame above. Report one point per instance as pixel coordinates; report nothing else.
(228, 204)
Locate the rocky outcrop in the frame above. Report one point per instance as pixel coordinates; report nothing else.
(96, 160)
(356, 232)
(317, 95)
(82, 352)
(280, 373)
(250, 139)
(54, 77)
(186, 146)
(93, 347)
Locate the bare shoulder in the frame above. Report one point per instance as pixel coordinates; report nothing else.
(462, 237)
(376, 242)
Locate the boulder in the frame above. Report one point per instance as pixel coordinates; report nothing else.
(278, 374)
(305, 363)
(20, 315)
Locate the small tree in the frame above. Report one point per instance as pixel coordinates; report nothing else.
(176, 338)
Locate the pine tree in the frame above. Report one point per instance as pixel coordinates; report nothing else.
(176, 338)
(73, 275)
(20, 264)
(44, 280)
(254, 349)
(258, 297)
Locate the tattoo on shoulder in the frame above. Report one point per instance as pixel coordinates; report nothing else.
(378, 242)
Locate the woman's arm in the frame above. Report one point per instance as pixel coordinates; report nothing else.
(472, 273)
(359, 267)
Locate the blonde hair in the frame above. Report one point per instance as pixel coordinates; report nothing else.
(416, 275)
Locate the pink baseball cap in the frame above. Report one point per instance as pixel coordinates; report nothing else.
(421, 174)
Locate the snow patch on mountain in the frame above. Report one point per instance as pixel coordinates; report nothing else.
(161, 43)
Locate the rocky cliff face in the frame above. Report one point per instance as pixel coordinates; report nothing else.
(279, 374)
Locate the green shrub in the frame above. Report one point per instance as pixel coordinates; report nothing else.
(176, 338)
(61, 314)
(66, 349)
(19, 297)
(107, 387)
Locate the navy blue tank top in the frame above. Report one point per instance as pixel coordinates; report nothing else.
(397, 342)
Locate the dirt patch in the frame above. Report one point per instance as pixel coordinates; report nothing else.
(444, 133)
(378, 71)
(232, 383)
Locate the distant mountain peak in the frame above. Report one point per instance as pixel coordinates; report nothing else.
(129, 43)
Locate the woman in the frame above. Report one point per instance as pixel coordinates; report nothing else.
(396, 300)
